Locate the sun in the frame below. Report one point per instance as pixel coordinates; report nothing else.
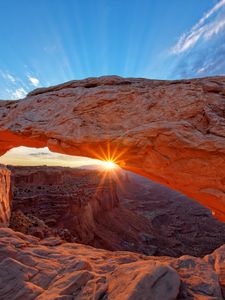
(110, 159)
(109, 164)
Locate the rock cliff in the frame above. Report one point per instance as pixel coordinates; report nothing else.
(5, 196)
(170, 131)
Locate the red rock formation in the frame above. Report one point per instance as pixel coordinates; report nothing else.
(5, 196)
(49, 269)
(169, 131)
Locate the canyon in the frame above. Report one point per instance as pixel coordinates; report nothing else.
(123, 212)
(67, 234)
(78, 206)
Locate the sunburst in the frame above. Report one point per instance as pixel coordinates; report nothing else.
(111, 162)
(108, 164)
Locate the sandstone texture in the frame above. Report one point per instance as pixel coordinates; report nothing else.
(49, 269)
(170, 131)
(5, 196)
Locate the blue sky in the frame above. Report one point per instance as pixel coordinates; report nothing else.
(46, 42)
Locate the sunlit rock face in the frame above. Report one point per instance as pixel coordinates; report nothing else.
(169, 131)
(5, 196)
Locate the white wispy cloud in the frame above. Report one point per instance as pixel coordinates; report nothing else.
(8, 76)
(210, 12)
(34, 81)
(214, 28)
(206, 28)
(19, 93)
(201, 70)
(17, 86)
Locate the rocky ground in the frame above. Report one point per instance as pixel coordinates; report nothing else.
(126, 212)
(31, 268)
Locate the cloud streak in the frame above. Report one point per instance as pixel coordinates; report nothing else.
(16, 87)
(200, 51)
(206, 28)
(8, 76)
(19, 93)
(34, 81)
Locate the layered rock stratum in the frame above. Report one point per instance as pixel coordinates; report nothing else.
(170, 131)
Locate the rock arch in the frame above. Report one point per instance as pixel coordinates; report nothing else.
(170, 131)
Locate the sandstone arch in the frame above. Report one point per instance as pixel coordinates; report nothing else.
(170, 131)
